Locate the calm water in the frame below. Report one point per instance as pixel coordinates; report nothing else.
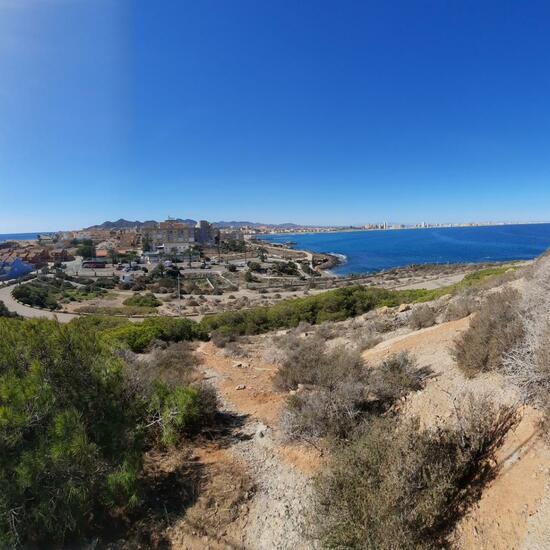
(20, 236)
(367, 251)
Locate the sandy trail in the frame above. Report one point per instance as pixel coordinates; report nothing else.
(277, 514)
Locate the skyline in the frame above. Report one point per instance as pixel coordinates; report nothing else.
(318, 113)
(289, 227)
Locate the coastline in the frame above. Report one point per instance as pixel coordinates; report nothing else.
(383, 251)
(407, 228)
(328, 261)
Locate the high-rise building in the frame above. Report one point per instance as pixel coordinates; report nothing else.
(205, 233)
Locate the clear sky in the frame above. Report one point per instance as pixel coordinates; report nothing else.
(310, 111)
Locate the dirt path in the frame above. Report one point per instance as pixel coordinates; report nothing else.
(282, 472)
(31, 312)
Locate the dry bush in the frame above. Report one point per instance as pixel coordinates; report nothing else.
(532, 370)
(461, 307)
(493, 332)
(234, 350)
(307, 361)
(334, 405)
(325, 413)
(528, 363)
(384, 324)
(367, 340)
(399, 486)
(327, 330)
(220, 338)
(395, 377)
(303, 326)
(499, 280)
(422, 316)
(175, 365)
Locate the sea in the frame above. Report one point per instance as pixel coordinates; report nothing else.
(378, 250)
(21, 236)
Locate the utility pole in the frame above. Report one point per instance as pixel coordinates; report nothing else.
(179, 296)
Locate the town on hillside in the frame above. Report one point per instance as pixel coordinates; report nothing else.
(169, 268)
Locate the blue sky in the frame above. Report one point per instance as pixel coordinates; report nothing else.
(311, 111)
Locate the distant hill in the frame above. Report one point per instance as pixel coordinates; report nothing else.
(127, 224)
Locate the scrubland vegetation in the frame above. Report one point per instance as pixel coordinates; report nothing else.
(390, 482)
(493, 332)
(75, 422)
(398, 485)
(82, 405)
(51, 292)
(335, 305)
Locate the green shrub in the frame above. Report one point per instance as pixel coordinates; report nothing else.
(142, 300)
(66, 424)
(176, 411)
(35, 294)
(333, 305)
(139, 336)
(75, 421)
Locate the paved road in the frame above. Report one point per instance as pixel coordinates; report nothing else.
(27, 311)
(31, 312)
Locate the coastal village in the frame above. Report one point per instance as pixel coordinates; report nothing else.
(169, 268)
(260, 461)
(175, 268)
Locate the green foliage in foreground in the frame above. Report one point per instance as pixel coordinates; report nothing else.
(68, 431)
(73, 430)
(333, 305)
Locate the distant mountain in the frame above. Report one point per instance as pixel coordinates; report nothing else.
(127, 224)
(120, 224)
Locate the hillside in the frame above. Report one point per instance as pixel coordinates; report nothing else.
(508, 509)
(397, 419)
(127, 224)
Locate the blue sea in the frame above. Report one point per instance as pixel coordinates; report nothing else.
(20, 236)
(371, 251)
